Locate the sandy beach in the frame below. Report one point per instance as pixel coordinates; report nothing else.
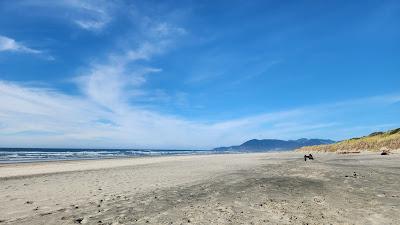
(267, 188)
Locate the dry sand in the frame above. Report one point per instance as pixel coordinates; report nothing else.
(268, 188)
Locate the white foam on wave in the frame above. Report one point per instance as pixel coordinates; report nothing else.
(7, 155)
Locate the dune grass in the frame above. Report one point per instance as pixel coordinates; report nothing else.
(375, 142)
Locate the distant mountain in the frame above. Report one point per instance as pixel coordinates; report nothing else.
(375, 142)
(274, 145)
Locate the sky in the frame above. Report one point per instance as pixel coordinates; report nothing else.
(195, 74)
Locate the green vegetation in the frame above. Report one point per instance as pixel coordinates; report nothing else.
(376, 142)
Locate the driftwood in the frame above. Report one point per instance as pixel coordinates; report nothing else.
(349, 152)
(385, 153)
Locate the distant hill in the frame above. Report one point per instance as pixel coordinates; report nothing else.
(376, 142)
(274, 145)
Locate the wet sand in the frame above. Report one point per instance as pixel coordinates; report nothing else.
(267, 188)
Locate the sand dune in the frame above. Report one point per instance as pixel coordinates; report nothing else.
(388, 141)
(269, 188)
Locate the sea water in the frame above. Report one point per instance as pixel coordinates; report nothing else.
(13, 155)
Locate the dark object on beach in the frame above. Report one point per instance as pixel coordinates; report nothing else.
(385, 153)
(348, 152)
(309, 156)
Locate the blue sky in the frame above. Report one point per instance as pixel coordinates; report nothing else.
(195, 74)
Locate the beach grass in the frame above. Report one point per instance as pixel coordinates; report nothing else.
(375, 142)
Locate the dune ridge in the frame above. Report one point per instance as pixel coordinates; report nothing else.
(388, 141)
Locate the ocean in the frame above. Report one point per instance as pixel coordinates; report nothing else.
(14, 155)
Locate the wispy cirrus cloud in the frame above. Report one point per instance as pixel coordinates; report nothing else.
(114, 81)
(57, 119)
(8, 44)
(86, 14)
(107, 112)
(90, 15)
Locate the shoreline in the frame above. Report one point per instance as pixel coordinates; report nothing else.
(25, 169)
(194, 153)
(3, 163)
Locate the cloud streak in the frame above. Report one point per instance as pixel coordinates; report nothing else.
(114, 82)
(107, 112)
(39, 117)
(8, 44)
(88, 15)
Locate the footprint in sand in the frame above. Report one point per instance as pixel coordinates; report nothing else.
(62, 210)
(319, 200)
(45, 214)
(81, 220)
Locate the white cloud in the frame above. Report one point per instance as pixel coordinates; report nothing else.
(90, 25)
(165, 29)
(43, 117)
(62, 120)
(114, 82)
(90, 15)
(103, 114)
(9, 44)
(86, 14)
